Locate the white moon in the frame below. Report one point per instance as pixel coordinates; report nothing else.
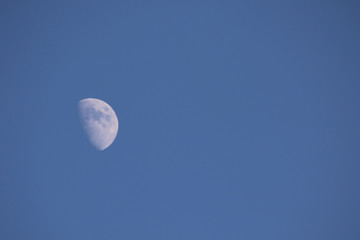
(99, 121)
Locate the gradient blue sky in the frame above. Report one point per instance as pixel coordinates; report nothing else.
(238, 120)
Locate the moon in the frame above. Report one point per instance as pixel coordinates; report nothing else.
(99, 122)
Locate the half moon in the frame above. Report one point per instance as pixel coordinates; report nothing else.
(99, 122)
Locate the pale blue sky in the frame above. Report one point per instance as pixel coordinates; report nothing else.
(237, 120)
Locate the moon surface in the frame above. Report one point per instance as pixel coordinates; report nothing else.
(99, 122)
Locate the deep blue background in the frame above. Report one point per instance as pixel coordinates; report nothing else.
(238, 120)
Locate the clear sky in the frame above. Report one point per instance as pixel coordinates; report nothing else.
(237, 120)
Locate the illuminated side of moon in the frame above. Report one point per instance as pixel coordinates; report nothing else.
(99, 122)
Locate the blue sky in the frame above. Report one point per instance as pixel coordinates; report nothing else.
(237, 120)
